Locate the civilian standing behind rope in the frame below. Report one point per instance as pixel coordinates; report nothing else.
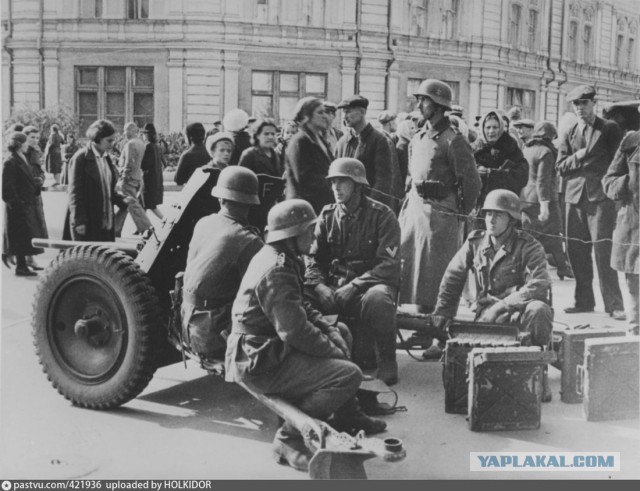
(193, 157)
(539, 198)
(621, 184)
(585, 153)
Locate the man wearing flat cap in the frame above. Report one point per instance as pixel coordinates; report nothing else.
(585, 153)
(387, 120)
(370, 147)
(524, 127)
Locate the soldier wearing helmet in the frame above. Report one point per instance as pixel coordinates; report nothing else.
(354, 266)
(280, 345)
(510, 269)
(443, 184)
(219, 252)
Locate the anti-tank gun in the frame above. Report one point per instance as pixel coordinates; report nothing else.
(104, 320)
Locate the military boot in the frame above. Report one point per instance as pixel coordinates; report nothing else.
(387, 365)
(289, 448)
(351, 419)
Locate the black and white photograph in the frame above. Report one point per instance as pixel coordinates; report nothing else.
(250, 240)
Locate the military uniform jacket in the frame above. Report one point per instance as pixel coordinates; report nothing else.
(587, 173)
(370, 238)
(621, 184)
(219, 254)
(442, 154)
(270, 318)
(517, 273)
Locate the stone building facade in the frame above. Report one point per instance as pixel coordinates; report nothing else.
(175, 61)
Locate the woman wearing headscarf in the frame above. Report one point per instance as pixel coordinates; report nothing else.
(152, 167)
(91, 189)
(53, 154)
(19, 193)
(308, 156)
(193, 157)
(500, 161)
(406, 130)
(539, 198)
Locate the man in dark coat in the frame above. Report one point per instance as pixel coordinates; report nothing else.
(622, 185)
(193, 157)
(585, 153)
(370, 147)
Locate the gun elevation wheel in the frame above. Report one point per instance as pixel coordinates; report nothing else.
(96, 326)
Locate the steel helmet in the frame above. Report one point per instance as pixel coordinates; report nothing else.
(289, 218)
(503, 200)
(237, 184)
(348, 167)
(235, 120)
(437, 91)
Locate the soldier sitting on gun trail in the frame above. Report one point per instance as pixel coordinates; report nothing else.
(354, 266)
(510, 269)
(281, 346)
(222, 246)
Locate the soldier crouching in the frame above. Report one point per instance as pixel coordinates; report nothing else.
(280, 346)
(510, 270)
(354, 267)
(220, 250)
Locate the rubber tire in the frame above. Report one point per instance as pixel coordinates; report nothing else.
(130, 291)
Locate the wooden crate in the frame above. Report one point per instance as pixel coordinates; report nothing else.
(611, 379)
(505, 387)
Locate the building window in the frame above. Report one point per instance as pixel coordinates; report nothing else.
(450, 18)
(588, 43)
(631, 54)
(91, 9)
(418, 15)
(516, 20)
(533, 30)
(573, 40)
(618, 54)
(137, 9)
(119, 94)
(275, 94)
(524, 99)
(413, 84)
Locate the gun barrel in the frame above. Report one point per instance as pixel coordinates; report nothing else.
(126, 246)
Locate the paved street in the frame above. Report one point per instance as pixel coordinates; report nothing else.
(188, 425)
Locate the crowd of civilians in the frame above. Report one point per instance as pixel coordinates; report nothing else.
(578, 189)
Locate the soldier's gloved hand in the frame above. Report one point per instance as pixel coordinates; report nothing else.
(345, 294)
(326, 298)
(493, 312)
(441, 322)
(341, 344)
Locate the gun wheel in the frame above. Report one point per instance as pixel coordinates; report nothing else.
(96, 327)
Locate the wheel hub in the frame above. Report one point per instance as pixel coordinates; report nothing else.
(94, 327)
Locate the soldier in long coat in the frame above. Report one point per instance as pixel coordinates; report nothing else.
(444, 185)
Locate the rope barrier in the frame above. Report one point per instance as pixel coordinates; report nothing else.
(531, 232)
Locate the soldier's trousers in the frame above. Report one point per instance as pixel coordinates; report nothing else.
(536, 318)
(374, 323)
